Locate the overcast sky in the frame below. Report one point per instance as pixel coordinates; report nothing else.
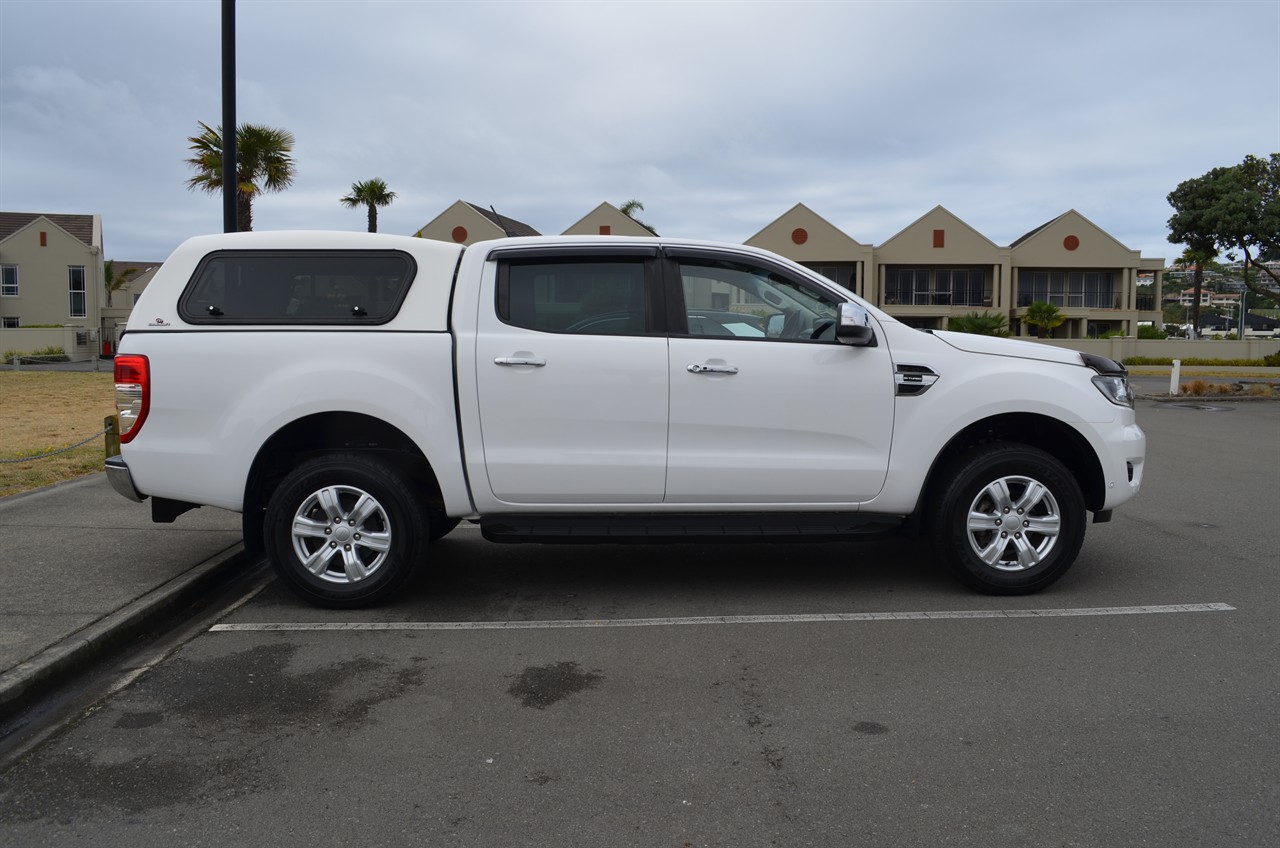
(718, 116)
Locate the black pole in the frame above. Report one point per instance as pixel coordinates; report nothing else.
(230, 185)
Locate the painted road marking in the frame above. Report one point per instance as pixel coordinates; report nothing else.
(566, 624)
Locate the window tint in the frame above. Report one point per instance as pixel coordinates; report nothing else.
(591, 296)
(298, 287)
(724, 298)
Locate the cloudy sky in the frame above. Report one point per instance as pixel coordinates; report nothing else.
(718, 116)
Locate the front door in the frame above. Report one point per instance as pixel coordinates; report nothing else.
(766, 407)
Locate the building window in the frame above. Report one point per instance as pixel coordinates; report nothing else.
(8, 281)
(840, 273)
(937, 287)
(1071, 289)
(79, 295)
(10, 322)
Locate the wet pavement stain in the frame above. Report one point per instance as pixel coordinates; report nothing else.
(870, 728)
(227, 704)
(539, 687)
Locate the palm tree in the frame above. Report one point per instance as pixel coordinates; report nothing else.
(630, 208)
(1044, 316)
(263, 163)
(987, 324)
(372, 193)
(1197, 259)
(113, 282)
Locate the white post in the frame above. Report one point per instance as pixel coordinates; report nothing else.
(1174, 376)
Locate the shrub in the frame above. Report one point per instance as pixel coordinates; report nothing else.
(1195, 387)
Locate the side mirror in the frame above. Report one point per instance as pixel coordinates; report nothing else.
(853, 326)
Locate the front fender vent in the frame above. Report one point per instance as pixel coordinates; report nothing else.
(911, 380)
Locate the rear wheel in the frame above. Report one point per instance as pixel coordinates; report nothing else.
(1010, 521)
(345, 530)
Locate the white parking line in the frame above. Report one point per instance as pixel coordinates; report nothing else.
(714, 619)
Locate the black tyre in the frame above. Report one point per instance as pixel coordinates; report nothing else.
(345, 530)
(1010, 519)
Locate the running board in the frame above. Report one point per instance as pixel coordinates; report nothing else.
(696, 527)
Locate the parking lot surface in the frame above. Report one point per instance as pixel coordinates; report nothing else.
(823, 694)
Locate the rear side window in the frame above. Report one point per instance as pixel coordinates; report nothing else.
(297, 287)
(589, 296)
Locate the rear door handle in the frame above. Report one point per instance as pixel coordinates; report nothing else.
(535, 361)
(712, 369)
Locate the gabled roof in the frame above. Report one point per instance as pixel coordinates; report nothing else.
(76, 226)
(510, 226)
(947, 214)
(134, 269)
(1068, 214)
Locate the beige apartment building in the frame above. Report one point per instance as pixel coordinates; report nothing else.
(937, 268)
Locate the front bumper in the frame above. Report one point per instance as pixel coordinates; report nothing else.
(121, 480)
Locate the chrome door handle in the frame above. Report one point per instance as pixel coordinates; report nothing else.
(713, 369)
(535, 361)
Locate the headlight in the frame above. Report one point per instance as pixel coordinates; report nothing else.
(1116, 388)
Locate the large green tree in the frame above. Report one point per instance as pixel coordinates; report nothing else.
(264, 163)
(372, 194)
(1230, 209)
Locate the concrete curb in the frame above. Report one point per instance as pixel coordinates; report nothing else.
(20, 685)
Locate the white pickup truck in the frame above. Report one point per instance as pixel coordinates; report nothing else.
(355, 396)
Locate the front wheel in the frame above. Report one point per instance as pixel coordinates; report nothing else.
(345, 530)
(1010, 521)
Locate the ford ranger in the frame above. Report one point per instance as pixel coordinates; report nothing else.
(355, 396)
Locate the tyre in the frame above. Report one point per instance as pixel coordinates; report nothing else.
(1010, 521)
(345, 530)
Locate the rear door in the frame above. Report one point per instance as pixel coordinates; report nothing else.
(571, 374)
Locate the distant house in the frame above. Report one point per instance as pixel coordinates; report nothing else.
(50, 269)
(1255, 326)
(608, 220)
(466, 223)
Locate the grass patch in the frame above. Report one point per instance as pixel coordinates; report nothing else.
(47, 410)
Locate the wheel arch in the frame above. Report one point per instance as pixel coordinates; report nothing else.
(1054, 437)
(325, 432)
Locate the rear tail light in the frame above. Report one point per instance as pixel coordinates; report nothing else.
(133, 393)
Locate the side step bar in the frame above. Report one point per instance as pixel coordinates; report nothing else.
(698, 527)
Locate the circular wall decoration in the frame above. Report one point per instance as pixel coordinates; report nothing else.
(1071, 242)
(799, 235)
(459, 234)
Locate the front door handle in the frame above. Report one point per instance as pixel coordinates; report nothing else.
(712, 369)
(535, 361)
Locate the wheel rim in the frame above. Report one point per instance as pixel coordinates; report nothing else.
(341, 534)
(1014, 523)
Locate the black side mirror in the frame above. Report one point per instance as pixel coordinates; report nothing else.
(853, 326)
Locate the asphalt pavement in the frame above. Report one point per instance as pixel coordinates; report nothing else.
(86, 570)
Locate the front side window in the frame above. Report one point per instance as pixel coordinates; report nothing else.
(8, 280)
(75, 283)
(580, 295)
(298, 287)
(742, 299)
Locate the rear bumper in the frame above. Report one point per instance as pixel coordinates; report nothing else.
(121, 480)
